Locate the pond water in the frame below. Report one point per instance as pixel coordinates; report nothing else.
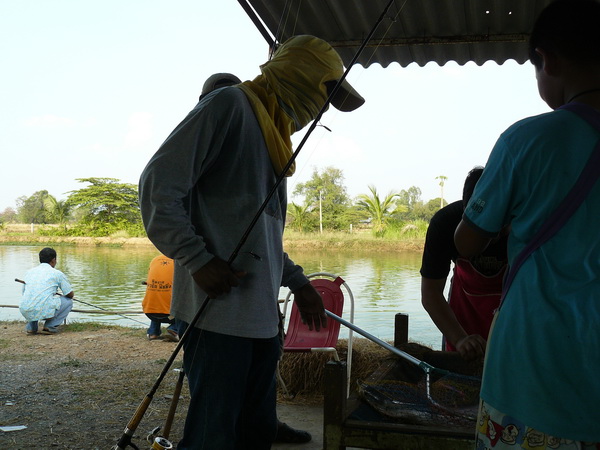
(382, 284)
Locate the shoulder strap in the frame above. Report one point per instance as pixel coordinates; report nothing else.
(575, 197)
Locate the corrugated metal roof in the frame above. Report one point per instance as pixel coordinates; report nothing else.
(417, 31)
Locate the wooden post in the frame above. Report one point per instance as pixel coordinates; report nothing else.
(335, 404)
(400, 329)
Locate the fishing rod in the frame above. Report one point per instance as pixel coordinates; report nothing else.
(94, 306)
(135, 420)
(460, 381)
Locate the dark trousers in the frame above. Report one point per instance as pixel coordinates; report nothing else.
(232, 390)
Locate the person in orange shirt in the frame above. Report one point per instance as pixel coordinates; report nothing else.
(157, 301)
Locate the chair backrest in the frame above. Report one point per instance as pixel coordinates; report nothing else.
(299, 337)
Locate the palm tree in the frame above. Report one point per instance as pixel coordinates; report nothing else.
(58, 210)
(442, 179)
(301, 216)
(379, 210)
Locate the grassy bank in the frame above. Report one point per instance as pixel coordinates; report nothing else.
(21, 234)
(360, 241)
(34, 239)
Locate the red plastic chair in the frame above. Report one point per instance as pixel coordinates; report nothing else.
(299, 338)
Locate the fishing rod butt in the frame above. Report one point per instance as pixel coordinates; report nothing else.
(125, 441)
(134, 422)
(139, 413)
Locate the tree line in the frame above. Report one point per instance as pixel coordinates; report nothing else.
(326, 205)
(106, 206)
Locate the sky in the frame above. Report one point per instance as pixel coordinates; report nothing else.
(92, 88)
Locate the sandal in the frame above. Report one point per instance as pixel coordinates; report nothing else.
(171, 336)
(48, 332)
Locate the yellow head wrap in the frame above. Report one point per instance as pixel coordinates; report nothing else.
(291, 91)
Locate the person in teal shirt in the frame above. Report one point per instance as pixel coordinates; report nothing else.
(540, 384)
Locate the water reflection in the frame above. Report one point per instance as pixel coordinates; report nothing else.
(382, 283)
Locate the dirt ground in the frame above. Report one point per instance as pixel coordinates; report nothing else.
(80, 388)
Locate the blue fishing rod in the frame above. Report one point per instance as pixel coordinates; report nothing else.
(135, 420)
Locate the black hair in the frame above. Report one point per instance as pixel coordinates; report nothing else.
(47, 254)
(472, 178)
(570, 28)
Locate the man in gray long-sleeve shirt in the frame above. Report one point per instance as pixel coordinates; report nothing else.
(198, 195)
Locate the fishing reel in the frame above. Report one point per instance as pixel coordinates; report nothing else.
(158, 442)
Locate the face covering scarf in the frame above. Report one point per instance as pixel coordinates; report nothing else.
(291, 91)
